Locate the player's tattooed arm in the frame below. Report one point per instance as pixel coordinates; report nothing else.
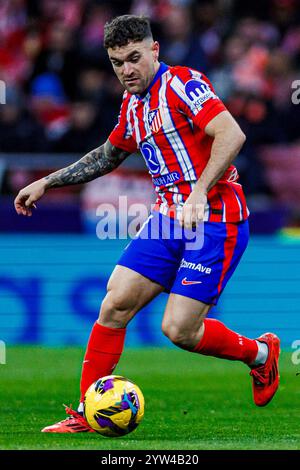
(98, 162)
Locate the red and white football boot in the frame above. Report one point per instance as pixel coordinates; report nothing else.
(74, 423)
(266, 377)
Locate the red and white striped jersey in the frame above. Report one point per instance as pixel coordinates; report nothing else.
(166, 124)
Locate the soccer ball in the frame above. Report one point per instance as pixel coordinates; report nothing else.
(113, 406)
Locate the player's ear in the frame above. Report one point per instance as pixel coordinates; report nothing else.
(155, 50)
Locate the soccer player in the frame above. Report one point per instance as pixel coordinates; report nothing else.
(172, 116)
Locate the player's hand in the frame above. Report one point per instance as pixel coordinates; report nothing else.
(193, 210)
(25, 200)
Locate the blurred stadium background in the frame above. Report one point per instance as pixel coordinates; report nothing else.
(62, 100)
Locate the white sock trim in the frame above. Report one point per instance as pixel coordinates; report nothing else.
(262, 353)
(80, 407)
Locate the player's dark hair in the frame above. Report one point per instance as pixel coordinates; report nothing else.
(126, 28)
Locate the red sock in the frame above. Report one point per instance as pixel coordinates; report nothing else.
(220, 341)
(102, 354)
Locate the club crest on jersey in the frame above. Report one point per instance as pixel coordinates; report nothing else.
(154, 120)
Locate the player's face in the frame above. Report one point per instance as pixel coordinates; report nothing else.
(135, 64)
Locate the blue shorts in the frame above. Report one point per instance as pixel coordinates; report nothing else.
(193, 263)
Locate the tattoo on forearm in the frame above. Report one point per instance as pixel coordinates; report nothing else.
(98, 162)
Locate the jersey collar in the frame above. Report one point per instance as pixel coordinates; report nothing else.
(162, 69)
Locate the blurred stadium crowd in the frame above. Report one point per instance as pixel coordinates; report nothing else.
(62, 95)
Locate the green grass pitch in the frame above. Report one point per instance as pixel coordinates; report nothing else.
(192, 402)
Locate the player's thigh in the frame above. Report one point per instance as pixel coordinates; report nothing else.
(127, 292)
(153, 253)
(203, 273)
(183, 316)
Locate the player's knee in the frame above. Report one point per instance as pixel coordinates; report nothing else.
(182, 334)
(115, 311)
(178, 335)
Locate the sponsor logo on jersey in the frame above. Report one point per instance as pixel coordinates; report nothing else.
(198, 92)
(154, 120)
(166, 179)
(194, 266)
(149, 154)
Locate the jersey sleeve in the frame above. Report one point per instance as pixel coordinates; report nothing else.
(121, 135)
(195, 97)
